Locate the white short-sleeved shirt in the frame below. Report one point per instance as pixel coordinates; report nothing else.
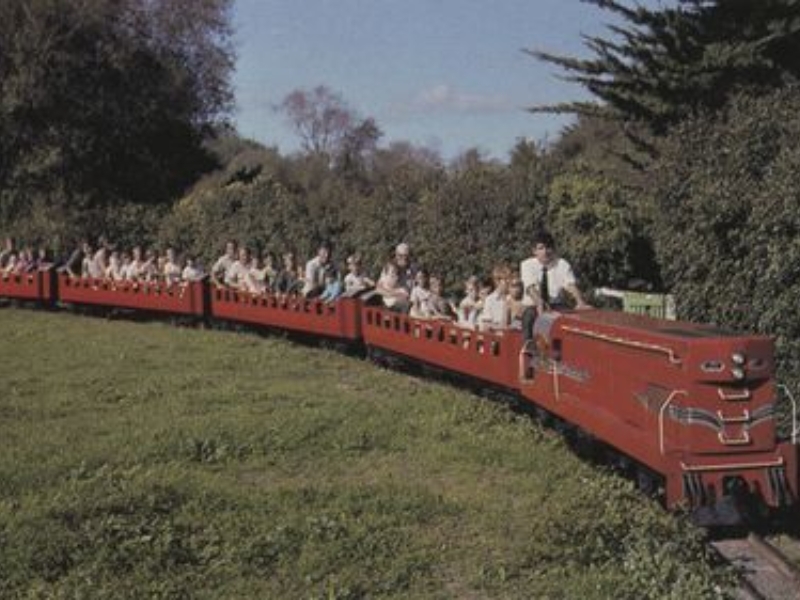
(353, 282)
(315, 274)
(93, 268)
(237, 273)
(559, 276)
(420, 302)
(224, 264)
(172, 272)
(495, 311)
(115, 270)
(192, 273)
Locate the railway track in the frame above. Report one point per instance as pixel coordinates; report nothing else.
(767, 572)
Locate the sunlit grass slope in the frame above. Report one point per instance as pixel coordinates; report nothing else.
(148, 461)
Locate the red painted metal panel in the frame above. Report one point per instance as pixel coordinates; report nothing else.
(664, 393)
(490, 357)
(36, 285)
(181, 299)
(337, 319)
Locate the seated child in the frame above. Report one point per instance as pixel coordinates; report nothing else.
(356, 281)
(394, 295)
(440, 307)
(465, 315)
(495, 307)
(516, 303)
(333, 287)
(420, 296)
(485, 289)
(192, 271)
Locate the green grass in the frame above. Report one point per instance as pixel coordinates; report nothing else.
(147, 461)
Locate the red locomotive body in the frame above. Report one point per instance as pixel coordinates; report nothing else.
(338, 319)
(180, 299)
(693, 403)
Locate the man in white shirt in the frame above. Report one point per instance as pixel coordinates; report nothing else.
(221, 271)
(236, 274)
(315, 272)
(547, 279)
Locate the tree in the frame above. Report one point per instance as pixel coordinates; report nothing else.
(729, 219)
(320, 117)
(662, 65)
(106, 102)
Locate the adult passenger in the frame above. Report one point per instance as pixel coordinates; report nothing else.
(236, 275)
(136, 268)
(220, 272)
(548, 279)
(9, 248)
(172, 267)
(316, 268)
(401, 263)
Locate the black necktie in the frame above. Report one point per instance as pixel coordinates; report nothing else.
(544, 287)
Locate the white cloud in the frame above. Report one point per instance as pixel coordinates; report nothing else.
(445, 98)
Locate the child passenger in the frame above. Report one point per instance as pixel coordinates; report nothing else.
(333, 287)
(440, 307)
(395, 296)
(421, 307)
(516, 303)
(495, 306)
(465, 315)
(485, 289)
(356, 281)
(192, 271)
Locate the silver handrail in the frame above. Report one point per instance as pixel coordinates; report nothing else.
(795, 432)
(661, 411)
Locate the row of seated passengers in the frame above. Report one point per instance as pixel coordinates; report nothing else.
(496, 303)
(25, 260)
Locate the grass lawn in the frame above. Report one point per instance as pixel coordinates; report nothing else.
(141, 460)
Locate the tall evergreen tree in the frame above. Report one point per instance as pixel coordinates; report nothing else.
(661, 65)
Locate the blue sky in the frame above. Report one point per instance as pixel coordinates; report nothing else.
(448, 74)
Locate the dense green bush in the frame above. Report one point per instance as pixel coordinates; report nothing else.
(728, 189)
(460, 220)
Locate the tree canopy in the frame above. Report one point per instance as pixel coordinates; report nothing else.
(108, 101)
(662, 65)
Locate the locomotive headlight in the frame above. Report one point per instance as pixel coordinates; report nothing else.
(738, 359)
(737, 372)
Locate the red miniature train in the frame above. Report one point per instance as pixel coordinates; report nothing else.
(692, 404)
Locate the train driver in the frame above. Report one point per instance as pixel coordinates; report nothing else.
(547, 279)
